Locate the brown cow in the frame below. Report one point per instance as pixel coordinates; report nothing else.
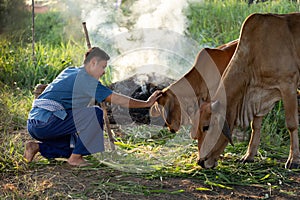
(184, 96)
(264, 69)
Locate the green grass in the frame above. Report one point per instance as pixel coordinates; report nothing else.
(151, 152)
(214, 22)
(20, 69)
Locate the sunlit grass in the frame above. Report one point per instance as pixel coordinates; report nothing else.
(14, 107)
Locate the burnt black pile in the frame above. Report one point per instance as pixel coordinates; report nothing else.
(139, 86)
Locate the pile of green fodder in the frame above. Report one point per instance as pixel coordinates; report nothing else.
(156, 153)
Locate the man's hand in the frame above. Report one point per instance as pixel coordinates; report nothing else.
(151, 100)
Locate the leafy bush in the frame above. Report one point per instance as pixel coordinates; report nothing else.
(13, 15)
(49, 28)
(15, 21)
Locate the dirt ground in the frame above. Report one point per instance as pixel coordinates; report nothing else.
(60, 181)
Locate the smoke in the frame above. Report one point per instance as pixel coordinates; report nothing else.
(160, 14)
(106, 17)
(141, 36)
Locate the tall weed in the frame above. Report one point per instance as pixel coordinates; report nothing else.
(18, 68)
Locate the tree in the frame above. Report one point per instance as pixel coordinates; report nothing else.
(13, 16)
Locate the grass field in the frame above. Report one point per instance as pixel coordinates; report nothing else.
(150, 162)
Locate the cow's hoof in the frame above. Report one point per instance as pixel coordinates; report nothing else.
(289, 165)
(201, 163)
(205, 165)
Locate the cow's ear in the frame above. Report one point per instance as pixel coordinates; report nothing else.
(226, 132)
(155, 110)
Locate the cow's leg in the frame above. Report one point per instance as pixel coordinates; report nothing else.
(289, 98)
(254, 140)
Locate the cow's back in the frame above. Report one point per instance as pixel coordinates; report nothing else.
(269, 47)
(273, 41)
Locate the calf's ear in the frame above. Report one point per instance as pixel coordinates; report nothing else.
(155, 110)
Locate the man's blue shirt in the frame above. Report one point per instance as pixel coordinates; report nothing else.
(72, 88)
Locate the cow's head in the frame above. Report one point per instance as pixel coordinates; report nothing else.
(212, 133)
(168, 107)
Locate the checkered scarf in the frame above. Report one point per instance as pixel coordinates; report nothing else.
(47, 104)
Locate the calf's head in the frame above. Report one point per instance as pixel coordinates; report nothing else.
(168, 107)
